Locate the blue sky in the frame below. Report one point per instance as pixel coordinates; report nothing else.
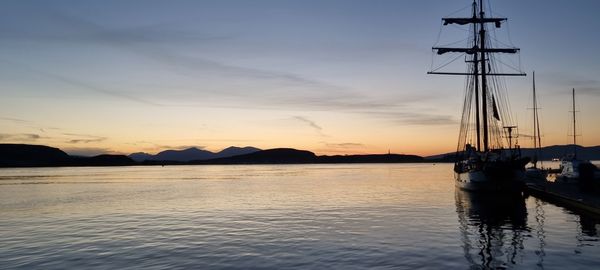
(327, 76)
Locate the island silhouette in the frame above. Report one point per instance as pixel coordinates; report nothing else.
(26, 155)
(193, 153)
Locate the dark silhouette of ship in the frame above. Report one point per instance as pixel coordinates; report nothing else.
(484, 161)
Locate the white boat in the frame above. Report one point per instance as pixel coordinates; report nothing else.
(569, 169)
(486, 158)
(572, 169)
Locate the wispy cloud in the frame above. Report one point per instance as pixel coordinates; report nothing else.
(15, 120)
(87, 151)
(528, 136)
(342, 148)
(311, 124)
(259, 87)
(251, 87)
(581, 84)
(345, 145)
(135, 40)
(584, 81)
(29, 124)
(58, 23)
(86, 140)
(591, 90)
(414, 118)
(83, 138)
(586, 86)
(79, 84)
(19, 137)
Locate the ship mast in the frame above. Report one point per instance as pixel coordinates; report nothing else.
(535, 147)
(479, 52)
(537, 137)
(483, 78)
(476, 81)
(574, 125)
(534, 118)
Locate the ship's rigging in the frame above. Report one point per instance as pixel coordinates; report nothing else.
(486, 119)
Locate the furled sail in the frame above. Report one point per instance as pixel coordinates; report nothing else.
(495, 109)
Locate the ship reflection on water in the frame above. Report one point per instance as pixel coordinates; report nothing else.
(493, 228)
(589, 225)
(497, 231)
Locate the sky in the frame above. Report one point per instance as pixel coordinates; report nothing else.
(332, 77)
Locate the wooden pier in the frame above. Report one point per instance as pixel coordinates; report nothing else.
(567, 194)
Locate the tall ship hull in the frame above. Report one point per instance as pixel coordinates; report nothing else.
(512, 180)
(491, 172)
(488, 157)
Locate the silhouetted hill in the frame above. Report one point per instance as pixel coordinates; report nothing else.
(294, 156)
(270, 156)
(236, 151)
(547, 153)
(382, 158)
(25, 155)
(140, 156)
(184, 155)
(22, 155)
(103, 160)
(191, 154)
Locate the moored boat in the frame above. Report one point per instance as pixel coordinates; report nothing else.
(486, 158)
(572, 169)
(535, 173)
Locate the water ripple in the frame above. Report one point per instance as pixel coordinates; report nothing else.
(387, 216)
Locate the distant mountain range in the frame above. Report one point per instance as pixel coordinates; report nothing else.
(270, 156)
(547, 153)
(23, 155)
(294, 156)
(192, 153)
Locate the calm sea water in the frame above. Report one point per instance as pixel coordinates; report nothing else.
(380, 216)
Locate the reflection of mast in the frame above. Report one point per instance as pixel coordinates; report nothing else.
(516, 244)
(588, 225)
(493, 225)
(464, 230)
(587, 235)
(540, 217)
(579, 236)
